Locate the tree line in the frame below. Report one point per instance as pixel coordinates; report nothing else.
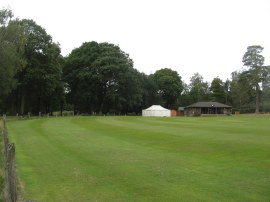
(100, 78)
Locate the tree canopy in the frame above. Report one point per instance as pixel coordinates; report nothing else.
(30, 66)
(169, 85)
(8, 53)
(199, 89)
(100, 77)
(217, 89)
(256, 72)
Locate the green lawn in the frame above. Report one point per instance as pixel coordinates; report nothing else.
(144, 159)
(2, 171)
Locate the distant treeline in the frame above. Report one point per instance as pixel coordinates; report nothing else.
(100, 78)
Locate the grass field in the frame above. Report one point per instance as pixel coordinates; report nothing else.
(144, 159)
(2, 172)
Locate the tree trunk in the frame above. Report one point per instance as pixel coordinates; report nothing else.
(61, 108)
(75, 108)
(101, 107)
(257, 99)
(240, 105)
(39, 105)
(103, 97)
(22, 104)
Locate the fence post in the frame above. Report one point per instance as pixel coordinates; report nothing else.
(10, 169)
(5, 137)
(11, 172)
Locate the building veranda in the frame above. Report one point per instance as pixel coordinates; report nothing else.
(208, 108)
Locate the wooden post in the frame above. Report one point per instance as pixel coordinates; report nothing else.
(11, 172)
(10, 193)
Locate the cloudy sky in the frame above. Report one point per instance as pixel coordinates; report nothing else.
(205, 36)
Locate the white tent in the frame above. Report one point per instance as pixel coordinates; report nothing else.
(156, 110)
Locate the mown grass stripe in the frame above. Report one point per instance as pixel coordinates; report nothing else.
(141, 159)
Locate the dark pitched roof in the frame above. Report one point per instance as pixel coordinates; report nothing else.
(208, 104)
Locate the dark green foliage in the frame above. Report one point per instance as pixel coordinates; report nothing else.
(8, 53)
(199, 89)
(101, 78)
(185, 99)
(217, 89)
(169, 86)
(242, 92)
(256, 72)
(265, 97)
(228, 96)
(149, 91)
(252, 57)
(39, 79)
(30, 67)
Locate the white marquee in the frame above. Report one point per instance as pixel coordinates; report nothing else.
(156, 110)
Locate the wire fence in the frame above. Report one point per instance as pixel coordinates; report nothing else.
(10, 192)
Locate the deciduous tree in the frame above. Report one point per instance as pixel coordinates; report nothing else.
(169, 85)
(8, 55)
(41, 75)
(217, 89)
(101, 78)
(242, 92)
(265, 99)
(199, 89)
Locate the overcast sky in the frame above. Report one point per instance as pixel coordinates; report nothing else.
(205, 36)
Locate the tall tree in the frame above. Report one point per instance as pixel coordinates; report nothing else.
(169, 85)
(256, 72)
(217, 89)
(149, 89)
(11, 55)
(227, 85)
(40, 76)
(266, 91)
(9, 58)
(199, 89)
(101, 79)
(185, 98)
(242, 92)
